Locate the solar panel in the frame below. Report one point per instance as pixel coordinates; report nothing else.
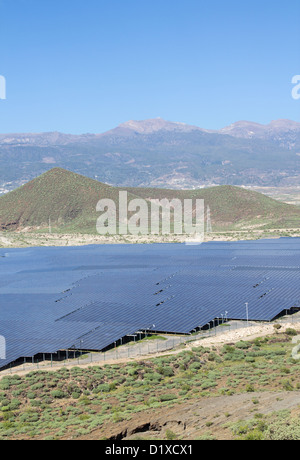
(91, 296)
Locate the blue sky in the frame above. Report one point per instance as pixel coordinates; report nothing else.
(86, 66)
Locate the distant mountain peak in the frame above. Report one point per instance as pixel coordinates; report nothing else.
(157, 152)
(270, 131)
(156, 124)
(285, 124)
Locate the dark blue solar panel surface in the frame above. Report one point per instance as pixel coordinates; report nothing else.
(89, 297)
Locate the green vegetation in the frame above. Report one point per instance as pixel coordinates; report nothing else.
(278, 426)
(69, 201)
(73, 402)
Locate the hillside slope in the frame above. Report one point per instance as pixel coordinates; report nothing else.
(69, 201)
(59, 196)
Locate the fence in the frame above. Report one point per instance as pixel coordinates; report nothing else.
(145, 348)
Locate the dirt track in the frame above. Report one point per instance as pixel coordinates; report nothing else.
(250, 333)
(244, 334)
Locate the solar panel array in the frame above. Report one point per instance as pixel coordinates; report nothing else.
(89, 297)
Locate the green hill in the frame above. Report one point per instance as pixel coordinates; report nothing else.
(69, 201)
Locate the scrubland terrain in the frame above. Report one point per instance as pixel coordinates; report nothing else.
(33, 238)
(236, 386)
(231, 387)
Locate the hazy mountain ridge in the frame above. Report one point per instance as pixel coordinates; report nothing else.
(160, 153)
(276, 130)
(285, 133)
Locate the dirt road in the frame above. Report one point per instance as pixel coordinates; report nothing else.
(232, 336)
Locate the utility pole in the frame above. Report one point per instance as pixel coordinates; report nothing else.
(247, 314)
(208, 221)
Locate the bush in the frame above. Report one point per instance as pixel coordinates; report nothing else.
(58, 394)
(167, 397)
(4, 386)
(228, 349)
(15, 404)
(103, 388)
(170, 435)
(285, 370)
(153, 377)
(37, 386)
(166, 371)
(212, 357)
(195, 366)
(238, 355)
(254, 435)
(291, 332)
(250, 388)
(132, 372)
(283, 430)
(208, 384)
(243, 345)
(287, 385)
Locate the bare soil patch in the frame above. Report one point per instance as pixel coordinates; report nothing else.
(192, 420)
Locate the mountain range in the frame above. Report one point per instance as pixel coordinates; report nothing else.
(159, 153)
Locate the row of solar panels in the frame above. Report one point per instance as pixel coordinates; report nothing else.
(90, 297)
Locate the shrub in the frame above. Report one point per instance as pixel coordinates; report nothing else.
(238, 355)
(291, 332)
(277, 327)
(170, 435)
(37, 386)
(132, 372)
(212, 357)
(104, 387)
(283, 430)
(287, 385)
(243, 345)
(4, 386)
(228, 349)
(57, 394)
(195, 367)
(15, 404)
(167, 397)
(285, 370)
(208, 384)
(155, 377)
(4, 402)
(254, 435)
(166, 371)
